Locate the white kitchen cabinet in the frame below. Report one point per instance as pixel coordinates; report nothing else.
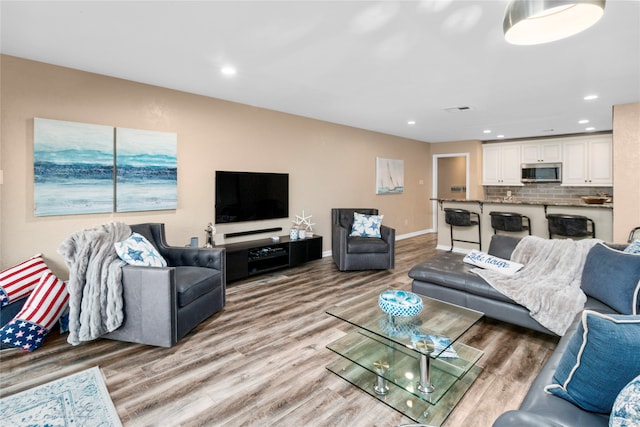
(541, 152)
(588, 162)
(501, 164)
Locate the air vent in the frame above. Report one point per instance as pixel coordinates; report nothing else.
(457, 109)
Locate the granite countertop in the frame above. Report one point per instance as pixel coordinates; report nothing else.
(576, 204)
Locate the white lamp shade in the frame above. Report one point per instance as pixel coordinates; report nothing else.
(528, 22)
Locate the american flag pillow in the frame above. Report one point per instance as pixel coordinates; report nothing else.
(40, 312)
(18, 281)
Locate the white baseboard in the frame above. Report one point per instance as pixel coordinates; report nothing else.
(455, 250)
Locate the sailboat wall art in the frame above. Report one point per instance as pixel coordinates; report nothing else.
(389, 176)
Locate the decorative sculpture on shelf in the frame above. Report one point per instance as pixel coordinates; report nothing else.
(210, 230)
(303, 224)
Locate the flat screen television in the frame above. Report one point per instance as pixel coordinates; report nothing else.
(251, 196)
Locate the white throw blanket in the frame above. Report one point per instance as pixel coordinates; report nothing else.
(95, 281)
(549, 283)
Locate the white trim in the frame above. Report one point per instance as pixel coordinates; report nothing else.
(455, 250)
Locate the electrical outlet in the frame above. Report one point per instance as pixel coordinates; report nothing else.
(509, 193)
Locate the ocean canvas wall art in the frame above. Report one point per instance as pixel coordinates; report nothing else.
(73, 168)
(146, 170)
(389, 176)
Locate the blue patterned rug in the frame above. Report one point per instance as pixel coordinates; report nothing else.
(79, 400)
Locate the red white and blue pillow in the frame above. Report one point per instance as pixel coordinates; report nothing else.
(18, 281)
(136, 250)
(40, 312)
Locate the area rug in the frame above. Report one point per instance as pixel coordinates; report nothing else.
(80, 400)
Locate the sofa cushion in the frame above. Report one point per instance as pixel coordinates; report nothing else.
(193, 282)
(503, 246)
(366, 225)
(447, 269)
(366, 245)
(137, 250)
(601, 357)
(613, 277)
(626, 408)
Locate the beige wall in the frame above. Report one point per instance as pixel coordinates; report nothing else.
(329, 165)
(626, 164)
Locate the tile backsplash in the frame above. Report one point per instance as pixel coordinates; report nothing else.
(544, 192)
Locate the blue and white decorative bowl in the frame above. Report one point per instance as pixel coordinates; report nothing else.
(400, 303)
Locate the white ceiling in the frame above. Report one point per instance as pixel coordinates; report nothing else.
(371, 65)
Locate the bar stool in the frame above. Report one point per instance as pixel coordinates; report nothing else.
(462, 218)
(570, 225)
(509, 221)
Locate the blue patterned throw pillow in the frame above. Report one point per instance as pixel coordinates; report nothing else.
(626, 408)
(137, 250)
(366, 225)
(633, 248)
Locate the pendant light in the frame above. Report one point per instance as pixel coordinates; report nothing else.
(528, 22)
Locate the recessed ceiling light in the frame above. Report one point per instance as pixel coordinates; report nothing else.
(486, 131)
(589, 129)
(228, 70)
(500, 136)
(583, 121)
(590, 97)
(411, 122)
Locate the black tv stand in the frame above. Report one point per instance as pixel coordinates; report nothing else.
(253, 257)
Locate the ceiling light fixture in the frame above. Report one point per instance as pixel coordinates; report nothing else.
(411, 122)
(583, 121)
(228, 70)
(529, 22)
(486, 131)
(590, 97)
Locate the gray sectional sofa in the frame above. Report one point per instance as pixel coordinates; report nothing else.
(446, 277)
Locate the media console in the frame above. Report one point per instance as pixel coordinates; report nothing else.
(253, 257)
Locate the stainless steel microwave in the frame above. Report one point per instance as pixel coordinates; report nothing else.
(541, 172)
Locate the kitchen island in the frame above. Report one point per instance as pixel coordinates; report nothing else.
(602, 216)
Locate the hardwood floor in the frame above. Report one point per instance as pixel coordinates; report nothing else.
(261, 361)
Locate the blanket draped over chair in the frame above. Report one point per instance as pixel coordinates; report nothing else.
(95, 281)
(549, 283)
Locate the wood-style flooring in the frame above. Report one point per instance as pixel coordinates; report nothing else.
(261, 361)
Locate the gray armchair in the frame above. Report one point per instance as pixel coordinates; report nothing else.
(163, 304)
(360, 253)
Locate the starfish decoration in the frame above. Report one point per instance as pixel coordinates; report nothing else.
(306, 220)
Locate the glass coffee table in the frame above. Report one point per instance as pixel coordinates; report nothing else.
(413, 364)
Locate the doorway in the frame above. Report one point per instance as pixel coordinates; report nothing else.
(450, 179)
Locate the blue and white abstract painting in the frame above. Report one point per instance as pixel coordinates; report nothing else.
(146, 170)
(73, 167)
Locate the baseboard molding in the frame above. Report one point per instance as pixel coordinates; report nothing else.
(455, 250)
(414, 234)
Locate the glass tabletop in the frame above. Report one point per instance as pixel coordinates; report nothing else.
(437, 321)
